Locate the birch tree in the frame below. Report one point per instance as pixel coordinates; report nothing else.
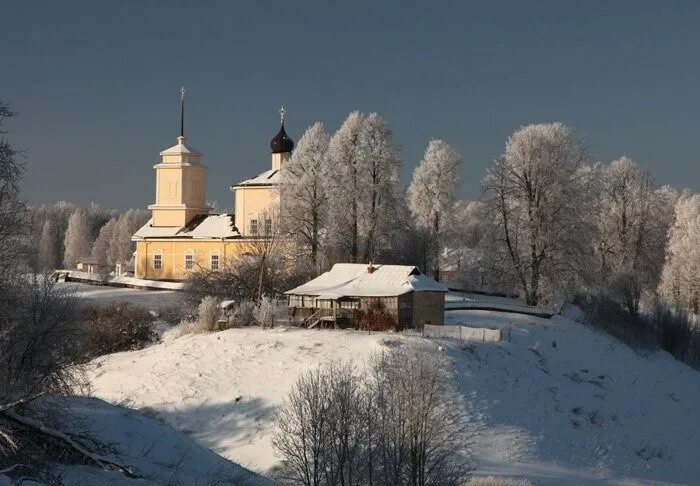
(680, 280)
(303, 192)
(533, 199)
(77, 241)
(433, 191)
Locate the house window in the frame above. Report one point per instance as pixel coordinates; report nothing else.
(253, 226)
(215, 261)
(157, 261)
(189, 261)
(268, 227)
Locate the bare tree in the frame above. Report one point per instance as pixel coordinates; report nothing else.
(12, 209)
(400, 426)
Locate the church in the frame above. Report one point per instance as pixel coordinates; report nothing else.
(183, 234)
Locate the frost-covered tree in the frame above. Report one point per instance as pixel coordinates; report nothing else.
(533, 200)
(680, 281)
(632, 218)
(303, 192)
(346, 188)
(47, 246)
(77, 242)
(433, 191)
(12, 210)
(121, 247)
(101, 247)
(380, 163)
(363, 188)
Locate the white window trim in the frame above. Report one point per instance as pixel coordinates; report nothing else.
(191, 254)
(158, 253)
(217, 254)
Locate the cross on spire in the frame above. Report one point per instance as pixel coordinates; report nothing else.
(282, 113)
(182, 111)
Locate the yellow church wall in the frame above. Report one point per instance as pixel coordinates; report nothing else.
(173, 253)
(257, 203)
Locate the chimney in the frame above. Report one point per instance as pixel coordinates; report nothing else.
(370, 268)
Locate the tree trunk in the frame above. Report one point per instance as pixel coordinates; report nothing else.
(436, 229)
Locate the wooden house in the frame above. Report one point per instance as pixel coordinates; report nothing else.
(340, 296)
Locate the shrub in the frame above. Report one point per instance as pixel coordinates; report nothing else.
(672, 330)
(243, 314)
(264, 312)
(609, 315)
(209, 313)
(176, 312)
(677, 333)
(375, 318)
(116, 326)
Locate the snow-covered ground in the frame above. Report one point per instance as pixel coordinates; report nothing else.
(223, 388)
(151, 452)
(152, 299)
(564, 404)
(560, 403)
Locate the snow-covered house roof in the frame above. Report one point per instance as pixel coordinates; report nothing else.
(356, 280)
(205, 226)
(267, 178)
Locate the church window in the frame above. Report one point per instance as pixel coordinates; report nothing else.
(214, 261)
(253, 226)
(268, 227)
(189, 261)
(157, 261)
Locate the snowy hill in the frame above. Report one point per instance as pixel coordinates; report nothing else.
(559, 404)
(151, 452)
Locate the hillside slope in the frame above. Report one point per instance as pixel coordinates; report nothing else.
(585, 411)
(561, 402)
(151, 451)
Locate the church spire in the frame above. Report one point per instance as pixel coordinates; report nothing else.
(182, 112)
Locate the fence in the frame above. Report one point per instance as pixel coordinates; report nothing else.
(463, 332)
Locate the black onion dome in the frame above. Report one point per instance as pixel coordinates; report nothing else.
(281, 143)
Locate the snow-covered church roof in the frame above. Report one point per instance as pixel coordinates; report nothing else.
(268, 178)
(180, 148)
(205, 226)
(356, 280)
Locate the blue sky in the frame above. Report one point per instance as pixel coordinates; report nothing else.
(96, 84)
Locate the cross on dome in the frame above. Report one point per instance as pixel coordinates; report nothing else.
(282, 113)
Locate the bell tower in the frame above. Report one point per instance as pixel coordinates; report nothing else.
(180, 182)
